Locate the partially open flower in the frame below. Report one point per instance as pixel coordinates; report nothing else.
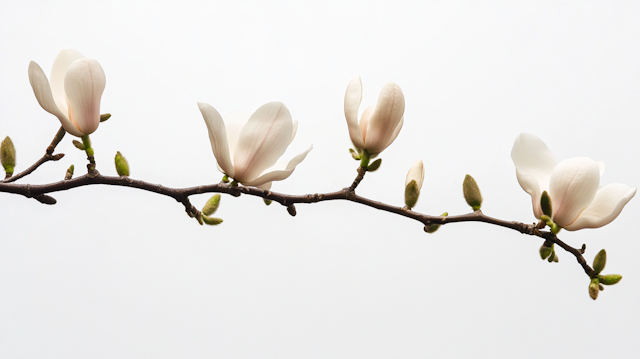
(75, 91)
(380, 123)
(577, 200)
(245, 145)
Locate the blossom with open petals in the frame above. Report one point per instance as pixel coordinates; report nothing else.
(380, 123)
(573, 185)
(245, 145)
(74, 93)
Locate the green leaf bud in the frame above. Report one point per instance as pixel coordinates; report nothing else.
(609, 279)
(69, 173)
(225, 179)
(104, 117)
(212, 221)
(545, 251)
(375, 165)
(413, 184)
(552, 256)
(472, 193)
(78, 145)
(354, 154)
(411, 194)
(600, 261)
(431, 228)
(594, 288)
(122, 166)
(545, 204)
(267, 201)
(199, 219)
(212, 205)
(8, 155)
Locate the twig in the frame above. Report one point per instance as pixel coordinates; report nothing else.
(48, 156)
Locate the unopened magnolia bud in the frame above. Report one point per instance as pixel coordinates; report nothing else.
(545, 204)
(199, 219)
(375, 165)
(69, 173)
(104, 117)
(78, 145)
(212, 205)
(413, 184)
(600, 261)
(354, 154)
(122, 166)
(267, 201)
(472, 193)
(545, 251)
(594, 288)
(212, 221)
(609, 279)
(431, 228)
(8, 155)
(555, 257)
(292, 210)
(552, 256)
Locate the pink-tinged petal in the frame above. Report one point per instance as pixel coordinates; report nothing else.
(42, 90)
(58, 72)
(395, 134)
(217, 137)
(294, 130)
(572, 188)
(385, 118)
(83, 86)
(235, 122)
(416, 173)
(530, 185)
(533, 158)
(352, 99)
(606, 206)
(262, 141)
(279, 175)
(364, 122)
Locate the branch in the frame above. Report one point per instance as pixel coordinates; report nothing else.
(48, 156)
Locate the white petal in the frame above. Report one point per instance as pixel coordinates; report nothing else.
(530, 185)
(385, 118)
(364, 122)
(58, 71)
(416, 173)
(265, 186)
(601, 167)
(262, 141)
(294, 131)
(533, 158)
(352, 99)
(395, 134)
(279, 175)
(572, 188)
(217, 137)
(42, 90)
(83, 86)
(606, 206)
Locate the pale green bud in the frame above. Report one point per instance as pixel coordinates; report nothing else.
(78, 145)
(413, 184)
(375, 165)
(431, 228)
(212, 221)
(225, 179)
(472, 193)
(594, 288)
(600, 261)
(8, 155)
(199, 219)
(545, 251)
(104, 117)
(552, 256)
(609, 279)
(69, 173)
(267, 201)
(545, 204)
(212, 205)
(354, 154)
(122, 166)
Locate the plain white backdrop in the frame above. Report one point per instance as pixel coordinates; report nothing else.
(111, 272)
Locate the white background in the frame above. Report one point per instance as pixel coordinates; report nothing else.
(111, 272)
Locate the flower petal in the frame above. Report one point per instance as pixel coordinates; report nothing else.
(58, 72)
(385, 118)
(531, 185)
(83, 86)
(395, 134)
(416, 173)
(42, 90)
(294, 130)
(352, 99)
(606, 206)
(572, 188)
(217, 137)
(364, 122)
(279, 175)
(235, 122)
(262, 141)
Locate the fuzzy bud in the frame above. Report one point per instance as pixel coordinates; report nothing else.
(413, 184)
(594, 288)
(104, 117)
(212, 221)
(212, 205)
(545, 204)
(122, 166)
(609, 279)
(8, 155)
(472, 193)
(600, 261)
(545, 251)
(69, 173)
(354, 154)
(374, 165)
(267, 201)
(78, 145)
(431, 228)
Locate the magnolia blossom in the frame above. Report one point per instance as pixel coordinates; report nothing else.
(245, 145)
(74, 93)
(380, 123)
(573, 185)
(413, 184)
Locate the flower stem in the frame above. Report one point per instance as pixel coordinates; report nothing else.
(86, 141)
(365, 157)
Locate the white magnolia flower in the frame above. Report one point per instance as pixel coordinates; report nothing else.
(573, 185)
(380, 123)
(74, 94)
(246, 145)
